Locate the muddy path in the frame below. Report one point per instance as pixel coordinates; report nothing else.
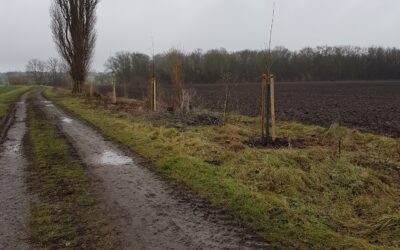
(149, 212)
(14, 196)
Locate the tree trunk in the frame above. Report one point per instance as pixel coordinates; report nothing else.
(77, 87)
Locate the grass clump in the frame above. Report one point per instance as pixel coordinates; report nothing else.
(66, 214)
(305, 196)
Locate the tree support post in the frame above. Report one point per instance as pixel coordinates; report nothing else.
(91, 89)
(154, 94)
(268, 120)
(114, 94)
(273, 117)
(263, 105)
(267, 112)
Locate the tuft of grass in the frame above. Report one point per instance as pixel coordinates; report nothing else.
(66, 214)
(300, 197)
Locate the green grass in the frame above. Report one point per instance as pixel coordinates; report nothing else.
(5, 89)
(9, 95)
(302, 197)
(66, 213)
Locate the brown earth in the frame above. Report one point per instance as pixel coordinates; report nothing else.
(368, 106)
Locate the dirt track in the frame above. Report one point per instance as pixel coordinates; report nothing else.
(149, 213)
(14, 198)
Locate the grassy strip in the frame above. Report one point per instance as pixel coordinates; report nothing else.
(301, 197)
(9, 95)
(5, 89)
(66, 214)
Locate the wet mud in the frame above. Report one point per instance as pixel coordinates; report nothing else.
(149, 212)
(14, 196)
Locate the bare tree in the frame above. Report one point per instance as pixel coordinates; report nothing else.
(121, 66)
(56, 72)
(36, 68)
(129, 68)
(73, 27)
(52, 69)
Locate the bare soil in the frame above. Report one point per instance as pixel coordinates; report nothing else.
(368, 106)
(14, 196)
(149, 212)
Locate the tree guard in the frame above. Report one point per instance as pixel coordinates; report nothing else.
(268, 127)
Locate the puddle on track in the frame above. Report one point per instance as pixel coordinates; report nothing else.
(48, 103)
(67, 120)
(113, 159)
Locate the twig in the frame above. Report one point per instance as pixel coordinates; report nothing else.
(269, 61)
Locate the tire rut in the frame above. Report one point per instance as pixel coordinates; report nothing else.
(14, 196)
(149, 212)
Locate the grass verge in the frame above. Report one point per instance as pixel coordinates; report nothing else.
(66, 214)
(304, 196)
(8, 95)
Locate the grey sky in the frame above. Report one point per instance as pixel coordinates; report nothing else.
(127, 25)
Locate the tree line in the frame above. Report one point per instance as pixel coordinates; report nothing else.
(309, 64)
(218, 65)
(51, 72)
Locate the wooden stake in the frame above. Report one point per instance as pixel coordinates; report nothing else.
(263, 105)
(268, 112)
(114, 94)
(273, 118)
(150, 94)
(154, 94)
(91, 89)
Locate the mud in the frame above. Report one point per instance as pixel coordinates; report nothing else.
(6, 123)
(14, 197)
(149, 212)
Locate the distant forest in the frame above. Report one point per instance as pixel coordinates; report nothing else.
(220, 66)
(309, 64)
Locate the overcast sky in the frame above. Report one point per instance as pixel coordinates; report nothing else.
(128, 25)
